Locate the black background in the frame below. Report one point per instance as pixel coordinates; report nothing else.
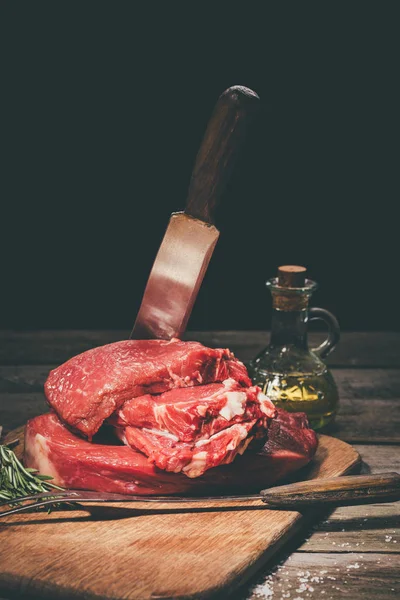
(104, 106)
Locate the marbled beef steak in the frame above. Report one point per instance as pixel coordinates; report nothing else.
(195, 429)
(77, 463)
(89, 387)
(188, 414)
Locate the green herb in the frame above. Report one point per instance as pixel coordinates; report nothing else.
(17, 481)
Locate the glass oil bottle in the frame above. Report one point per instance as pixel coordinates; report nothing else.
(293, 376)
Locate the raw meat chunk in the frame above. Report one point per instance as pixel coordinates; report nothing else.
(191, 459)
(76, 463)
(89, 387)
(194, 429)
(192, 413)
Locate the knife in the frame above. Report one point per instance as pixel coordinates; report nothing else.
(335, 491)
(190, 238)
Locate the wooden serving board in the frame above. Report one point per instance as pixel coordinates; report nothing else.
(144, 552)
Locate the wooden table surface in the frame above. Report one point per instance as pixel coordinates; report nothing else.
(352, 552)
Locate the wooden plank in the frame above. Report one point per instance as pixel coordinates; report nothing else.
(357, 349)
(23, 378)
(154, 553)
(368, 528)
(16, 409)
(355, 516)
(368, 421)
(323, 576)
(352, 383)
(368, 383)
(359, 420)
(378, 459)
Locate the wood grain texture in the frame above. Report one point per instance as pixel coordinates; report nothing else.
(356, 349)
(381, 487)
(368, 421)
(358, 384)
(370, 528)
(120, 552)
(326, 576)
(378, 459)
(15, 409)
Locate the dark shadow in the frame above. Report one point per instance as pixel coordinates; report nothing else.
(108, 513)
(332, 429)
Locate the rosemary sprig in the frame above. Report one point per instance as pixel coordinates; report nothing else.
(17, 480)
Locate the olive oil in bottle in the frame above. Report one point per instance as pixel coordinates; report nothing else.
(290, 374)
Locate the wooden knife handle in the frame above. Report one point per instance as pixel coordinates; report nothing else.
(353, 489)
(219, 149)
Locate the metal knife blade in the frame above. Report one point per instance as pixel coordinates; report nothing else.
(190, 238)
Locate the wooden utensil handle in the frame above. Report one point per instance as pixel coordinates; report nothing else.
(353, 489)
(219, 149)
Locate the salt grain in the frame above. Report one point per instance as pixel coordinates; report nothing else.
(263, 591)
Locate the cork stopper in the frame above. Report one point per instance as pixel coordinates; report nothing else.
(291, 290)
(292, 276)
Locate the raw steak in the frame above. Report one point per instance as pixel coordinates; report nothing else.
(77, 463)
(191, 459)
(194, 429)
(85, 390)
(190, 414)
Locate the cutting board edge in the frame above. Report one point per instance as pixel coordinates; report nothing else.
(299, 524)
(42, 590)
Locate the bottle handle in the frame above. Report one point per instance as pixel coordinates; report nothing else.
(329, 344)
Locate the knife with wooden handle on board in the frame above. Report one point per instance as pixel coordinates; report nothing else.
(336, 491)
(190, 238)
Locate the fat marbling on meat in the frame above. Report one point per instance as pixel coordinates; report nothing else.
(89, 387)
(191, 430)
(77, 463)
